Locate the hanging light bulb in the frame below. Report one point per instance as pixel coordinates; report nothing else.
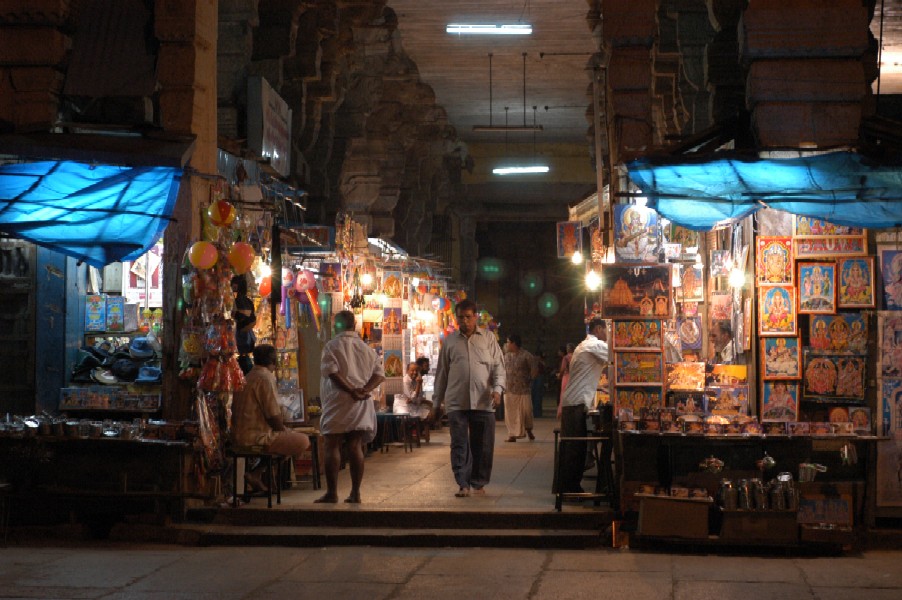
(366, 279)
(736, 278)
(593, 280)
(577, 258)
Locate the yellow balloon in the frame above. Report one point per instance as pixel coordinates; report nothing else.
(203, 255)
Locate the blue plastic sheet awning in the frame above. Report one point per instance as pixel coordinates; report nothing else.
(842, 187)
(94, 212)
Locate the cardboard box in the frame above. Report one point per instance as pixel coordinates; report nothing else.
(777, 526)
(661, 516)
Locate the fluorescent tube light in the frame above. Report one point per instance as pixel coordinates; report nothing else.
(486, 29)
(520, 170)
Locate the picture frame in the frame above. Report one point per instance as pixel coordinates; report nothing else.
(777, 310)
(690, 331)
(860, 416)
(891, 273)
(638, 335)
(638, 368)
(728, 400)
(816, 238)
(687, 238)
(692, 283)
(839, 333)
(635, 233)
(686, 376)
(773, 260)
(855, 282)
(817, 287)
(720, 263)
(728, 375)
(781, 358)
(799, 428)
(834, 376)
(838, 414)
(779, 401)
(889, 329)
(636, 399)
(721, 306)
(569, 238)
(636, 291)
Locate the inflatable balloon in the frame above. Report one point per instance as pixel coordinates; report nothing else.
(221, 213)
(203, 255)
(241, 257)
(265, 287)
(287, 278)
(304, 281)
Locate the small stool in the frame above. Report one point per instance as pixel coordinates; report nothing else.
(604, 471)
(403, 420)
(270, 460)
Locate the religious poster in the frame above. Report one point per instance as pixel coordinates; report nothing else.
(817, 287)
(781, 358)
(816, 238)
(834, 376)
(855, 282)
(392, 283)
(637, 399)
(569, 238)
(776, 310)
(720, 263)
(889, 340)
(638, 368)
(840, 333)
(639, 335)
(630, 291)
(891, 272)
(692, 286)
(391, 321)
(860, 416)
(687, 238)
(728, 375)
(686, 377)
(728, 400)
(773, 260)
(779, 401)
(721, 306)
(635, 233)
(330, 277)
(690, 332)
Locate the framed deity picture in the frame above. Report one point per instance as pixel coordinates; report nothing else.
(636, 291)
(686, 238)
(889, 340)
(637, 399)
(686, 377)
(781, 358)
(861, 419)
(721, 306)
(638, 335)
(728, 375)
(816, 238)
(777, 310)
(692, 284)
(817, 287)
(635, 233)
(720, 263)
(569, 238)
(840, 333)
(690, 332)
(779, 401)
(638, 368)
(773, 260)
(728, 400)
(831, 376)
(891, 272)
(855, 282)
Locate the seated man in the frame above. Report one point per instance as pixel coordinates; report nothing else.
(411, 400)
(257, 416)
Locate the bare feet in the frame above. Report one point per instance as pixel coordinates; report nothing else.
(530, 435)
(462, 492)
(478, 491)
(353, 498)
(326, 499)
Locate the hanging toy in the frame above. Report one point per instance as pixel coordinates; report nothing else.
(221, 213)
(265, 287)
(241, 257)
(203, 255)
(304, 281)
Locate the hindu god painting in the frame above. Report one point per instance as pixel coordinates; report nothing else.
(773, 260)
(856, 282)
(777, 310)
(781, 358)
(841, 333)
(638, 335)
(638, 368)
(817, 287)
(637, 292)
(635, 233)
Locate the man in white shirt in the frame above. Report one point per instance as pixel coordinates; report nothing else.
(469, 380)
(589, 360)
(721, 337)
(350, 371)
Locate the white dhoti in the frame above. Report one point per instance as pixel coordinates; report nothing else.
(517, 414)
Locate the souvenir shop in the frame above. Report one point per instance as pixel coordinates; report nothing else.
(755, 358)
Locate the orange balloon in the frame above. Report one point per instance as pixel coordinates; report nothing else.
(265, 287)
(221, 213)
(241, 257)
(203, 255)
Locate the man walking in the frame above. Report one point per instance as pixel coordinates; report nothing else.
(350, 371)
(589, 360)
(469, 380)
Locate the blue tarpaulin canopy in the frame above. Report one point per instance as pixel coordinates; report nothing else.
(842, 187)
(95, 213)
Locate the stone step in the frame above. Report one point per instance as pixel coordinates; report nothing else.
(586, 518)
(217, 535)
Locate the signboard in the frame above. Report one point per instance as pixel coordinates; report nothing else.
(269, 124)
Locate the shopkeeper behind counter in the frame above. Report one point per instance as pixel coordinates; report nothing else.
(721, 336)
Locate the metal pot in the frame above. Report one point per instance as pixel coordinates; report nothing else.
(71, 428)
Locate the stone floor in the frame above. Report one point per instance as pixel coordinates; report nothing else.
(116, 572)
